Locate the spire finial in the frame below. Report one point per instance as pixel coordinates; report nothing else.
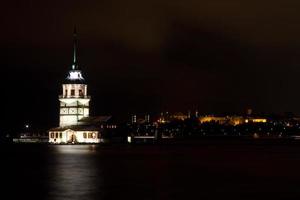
(74, 66)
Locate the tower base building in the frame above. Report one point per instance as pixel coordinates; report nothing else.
(89, 130)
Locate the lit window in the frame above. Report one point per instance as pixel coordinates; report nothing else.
(84, 135)
(90, 135)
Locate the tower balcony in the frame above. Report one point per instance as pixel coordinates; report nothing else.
(74, 97)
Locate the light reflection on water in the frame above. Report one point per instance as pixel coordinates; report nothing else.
(200, 171)
(75, 149)
(73, 173)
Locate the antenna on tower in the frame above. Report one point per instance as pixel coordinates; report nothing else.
(74, 66)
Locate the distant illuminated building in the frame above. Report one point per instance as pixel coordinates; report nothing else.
(232, 120)
(75, 124)
(133, 119)
(255, 120)
(147, 118)
(179, 116)
(196, 113)
(189, 114)
(167, 117)
(211, 118)
(249, 111)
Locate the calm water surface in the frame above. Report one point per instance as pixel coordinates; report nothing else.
(208, 170)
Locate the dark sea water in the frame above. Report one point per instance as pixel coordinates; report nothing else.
(204, 170)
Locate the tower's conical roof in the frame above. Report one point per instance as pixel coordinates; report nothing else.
(75, 75)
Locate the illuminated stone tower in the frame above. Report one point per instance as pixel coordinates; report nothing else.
(74, 102)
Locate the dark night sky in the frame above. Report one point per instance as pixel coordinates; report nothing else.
(161, 55)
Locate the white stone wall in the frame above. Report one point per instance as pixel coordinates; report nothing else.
(86, 112)
(81, 139)
(72, 110)
(76, 87)
(68, 120)
(54, 137)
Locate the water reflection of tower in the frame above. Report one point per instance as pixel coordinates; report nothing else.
(67, 173)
